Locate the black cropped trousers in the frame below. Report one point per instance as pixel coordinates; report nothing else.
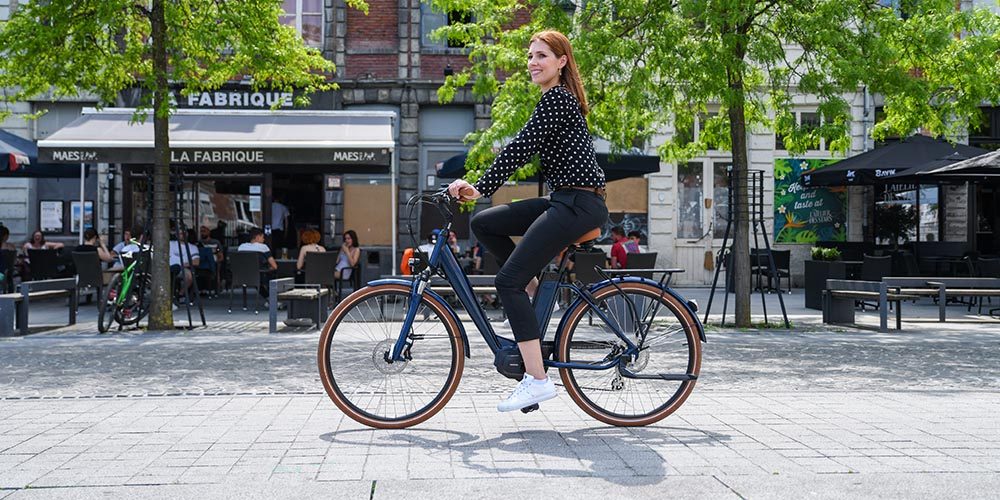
(548, 225)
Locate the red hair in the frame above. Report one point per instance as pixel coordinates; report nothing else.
(570, 74)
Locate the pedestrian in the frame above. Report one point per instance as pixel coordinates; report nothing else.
(557, 132)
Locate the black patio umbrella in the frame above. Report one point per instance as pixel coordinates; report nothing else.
(881, 164)
(622, 166)
(19, 158)
(924, 174)
(984, 166)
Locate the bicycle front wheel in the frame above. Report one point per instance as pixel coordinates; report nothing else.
(357, 340)
(670, 354)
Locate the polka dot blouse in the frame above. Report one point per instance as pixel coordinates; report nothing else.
(557, 132)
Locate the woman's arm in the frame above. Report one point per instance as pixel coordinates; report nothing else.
(302, 260)
(548, 117)
(353, 256)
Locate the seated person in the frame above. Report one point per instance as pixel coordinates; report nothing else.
(126, 239)
(267, 263)
(350, 254)
(619, 257)
(310, 243)
(93, 243)
(183, 257)
(632, 245)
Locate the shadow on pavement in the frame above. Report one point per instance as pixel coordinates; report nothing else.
(607, 451)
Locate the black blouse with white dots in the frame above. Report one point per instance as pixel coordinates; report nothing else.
(557, 132)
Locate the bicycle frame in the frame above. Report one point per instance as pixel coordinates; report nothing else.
(442, 260)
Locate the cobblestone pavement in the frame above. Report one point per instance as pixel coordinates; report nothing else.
(197, 363)
(235, 413)
(726, 443)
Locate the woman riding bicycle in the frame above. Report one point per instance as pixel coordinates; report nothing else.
(557, 132)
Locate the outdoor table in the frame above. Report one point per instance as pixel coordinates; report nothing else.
(286, 267)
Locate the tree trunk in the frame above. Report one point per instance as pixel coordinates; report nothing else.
(741, 235)
(161, 314)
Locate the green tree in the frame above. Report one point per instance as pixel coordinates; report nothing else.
(649, 64)
(103, 47)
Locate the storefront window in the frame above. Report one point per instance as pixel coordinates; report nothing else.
(306, 16)
(720, 199)
(902, 216)
(689, 196)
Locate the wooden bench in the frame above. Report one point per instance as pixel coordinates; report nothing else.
(840, 295)
(943, 288)
(304, 301)
(14, 307)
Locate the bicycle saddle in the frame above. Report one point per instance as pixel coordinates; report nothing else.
(591, 235)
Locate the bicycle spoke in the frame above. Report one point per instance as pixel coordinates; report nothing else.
(366, 332)
(667, 348)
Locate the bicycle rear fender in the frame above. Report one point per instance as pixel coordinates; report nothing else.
(635, 279)
(434, 295)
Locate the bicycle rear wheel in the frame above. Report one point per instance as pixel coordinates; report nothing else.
(352, 357)
(671, 352)
(135, 305)
(109, 307)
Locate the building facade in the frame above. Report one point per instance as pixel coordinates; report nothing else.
(387, 61)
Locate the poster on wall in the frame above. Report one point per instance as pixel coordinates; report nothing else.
(74, 218)
(50, 215)
(807, 215)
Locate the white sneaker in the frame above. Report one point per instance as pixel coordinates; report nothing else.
(527, 393)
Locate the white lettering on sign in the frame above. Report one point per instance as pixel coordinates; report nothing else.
(236, 99)
(884, 172)
(354, 156)
(81, 156)
(199, 156)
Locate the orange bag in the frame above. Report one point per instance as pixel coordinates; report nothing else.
(404, 265)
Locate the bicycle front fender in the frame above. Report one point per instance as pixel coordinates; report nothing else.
(434, 295)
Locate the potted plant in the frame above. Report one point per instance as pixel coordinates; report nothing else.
(825, 264)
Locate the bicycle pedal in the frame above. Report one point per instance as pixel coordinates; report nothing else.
(529, 408)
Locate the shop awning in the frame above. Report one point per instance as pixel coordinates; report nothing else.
(229, 137)
(19, 158)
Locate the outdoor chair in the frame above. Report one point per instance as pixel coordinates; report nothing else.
(353, 279)
(782, 268)
(245, 267)
(320, 270)
(207, 273)
(8, 263)
(645, 260)
(90, 277)
(45, 264)
(583, 269)
(489, 265)
(584, 263)
(759, 266)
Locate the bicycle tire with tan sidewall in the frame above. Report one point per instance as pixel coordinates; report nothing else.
(326, 338)
(689, 324)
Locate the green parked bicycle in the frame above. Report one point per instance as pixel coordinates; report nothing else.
(127, 299)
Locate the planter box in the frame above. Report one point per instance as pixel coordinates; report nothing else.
(817, 272)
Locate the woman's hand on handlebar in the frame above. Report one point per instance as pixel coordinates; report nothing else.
(461, 190)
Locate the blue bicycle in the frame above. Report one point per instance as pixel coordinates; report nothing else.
(628, 349)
